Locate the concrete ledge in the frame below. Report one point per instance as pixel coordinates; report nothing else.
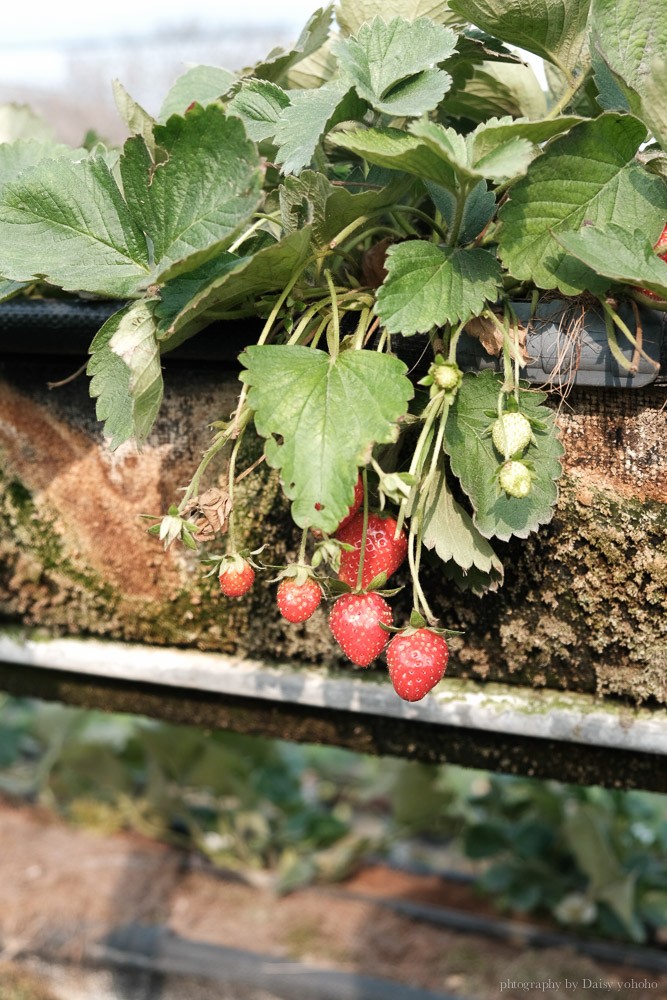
(492, 708)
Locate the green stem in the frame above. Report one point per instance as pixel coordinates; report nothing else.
(248, 232)
(623, 327)
(424, 216)
(384, 337)
(333, 330)
(362, 327)
(414, 558)
(266, 331)
(318, 333)
(566, 97)
(425, 485)
(218, 444)
(453, 343)
(457, 221)
(231, 536)
(364, 532)
(302, 547)
(616, 351)
(303, 323)
(418, 457)
(352, 227)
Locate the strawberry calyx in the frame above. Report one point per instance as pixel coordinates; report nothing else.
(299, 572)
(376, 586)
(443, 377)
(233, 560)
(418, 623)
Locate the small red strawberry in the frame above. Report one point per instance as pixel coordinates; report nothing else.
(236, 577)
(384, 553)
(417, 660)
(355, 624)
(297, 601)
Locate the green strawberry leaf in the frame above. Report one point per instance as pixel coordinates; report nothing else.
(352, 14)
(18, 121)
(450, 532)
(654, 107)
(22, 154)
(327, 413)
(310, 114)
(496, 132)
(557, 30)
(259, 104)
(194, 299)
(449, 146)
(475, 461)
(126, 377)
(622, 256)
(631, 38)
(279, 62)
(68, 223)
(193, 203)
(479, 208)
(429, 286)
(394, 65)
(589, 175)
(8, 289)
(394, 149)
(135, 117)
(201, 85)
(311, 199)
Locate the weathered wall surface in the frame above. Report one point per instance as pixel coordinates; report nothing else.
(582, 608)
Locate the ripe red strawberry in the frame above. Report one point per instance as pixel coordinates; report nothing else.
(355, 505)
(351, 510)
(297, 601)
(355, 624)
(661, 245)
(417, 661)
(661, 249)
(384, 553)
(237, 577)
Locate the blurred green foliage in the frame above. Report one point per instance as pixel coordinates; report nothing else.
(291, 814)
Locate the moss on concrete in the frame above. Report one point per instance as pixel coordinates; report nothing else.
(582, 607)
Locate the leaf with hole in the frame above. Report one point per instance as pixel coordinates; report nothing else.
(320, 417)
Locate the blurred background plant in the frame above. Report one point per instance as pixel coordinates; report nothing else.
(282, 814)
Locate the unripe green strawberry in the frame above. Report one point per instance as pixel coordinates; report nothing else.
(446, 375)
(511, 434)
(516, 479)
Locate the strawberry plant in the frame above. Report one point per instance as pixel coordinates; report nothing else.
(398, 173)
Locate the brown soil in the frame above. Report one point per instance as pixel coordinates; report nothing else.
(63, 889)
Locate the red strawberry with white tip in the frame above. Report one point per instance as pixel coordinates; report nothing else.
(417, 660)
(384, 553)
(297, 600)
(355, 624)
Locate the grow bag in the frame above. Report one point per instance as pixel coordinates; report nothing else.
(561, 672)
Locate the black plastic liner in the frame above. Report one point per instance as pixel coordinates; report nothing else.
(67, 326)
